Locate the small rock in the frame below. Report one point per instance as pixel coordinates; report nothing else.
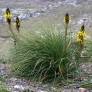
(83, 90)
(41, 91)
(20, 87)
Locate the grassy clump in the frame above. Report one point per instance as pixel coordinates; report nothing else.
(44, 56)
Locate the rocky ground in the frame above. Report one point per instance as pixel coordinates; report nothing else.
(36, 12)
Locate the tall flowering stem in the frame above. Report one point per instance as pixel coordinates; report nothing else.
(8, 16)
(66, 20)
(18, 24)
(81, 36)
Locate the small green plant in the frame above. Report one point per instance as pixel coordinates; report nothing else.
(3, 88)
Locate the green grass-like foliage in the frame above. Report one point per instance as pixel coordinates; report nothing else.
(2, 87)
(89, 48)
(44, 56)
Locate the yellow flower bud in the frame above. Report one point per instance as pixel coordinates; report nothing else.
(66, 18)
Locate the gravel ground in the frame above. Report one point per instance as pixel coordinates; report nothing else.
(16, 84)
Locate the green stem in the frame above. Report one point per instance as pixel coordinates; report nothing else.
(14, 37)
(66, 28)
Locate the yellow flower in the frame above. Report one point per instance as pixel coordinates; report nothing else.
(81, 36)
(9, 15)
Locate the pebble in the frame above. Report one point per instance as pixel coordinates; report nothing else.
(20, 87)
(83, 90)
(41, 91)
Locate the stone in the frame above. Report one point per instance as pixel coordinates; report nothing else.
(20, 87)
(83, 90)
